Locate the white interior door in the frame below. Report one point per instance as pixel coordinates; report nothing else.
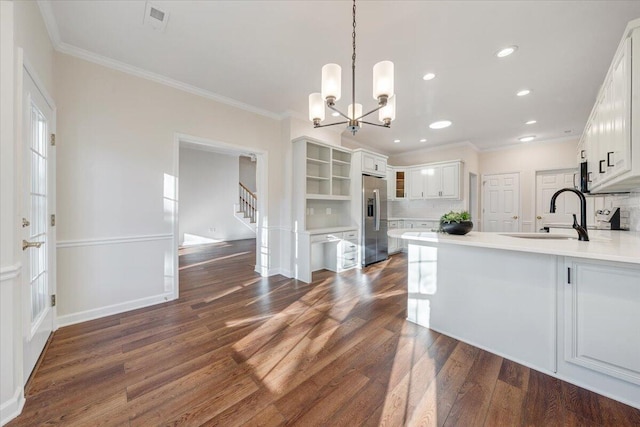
(501, 202)
(38, 239)
(547, 183)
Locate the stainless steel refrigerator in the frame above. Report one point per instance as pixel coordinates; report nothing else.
(374, 221)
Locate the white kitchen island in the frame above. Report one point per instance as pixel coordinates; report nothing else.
(567, 308)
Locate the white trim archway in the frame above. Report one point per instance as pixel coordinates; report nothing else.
(262, 241)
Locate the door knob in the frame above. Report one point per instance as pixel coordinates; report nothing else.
(25, 222)
(515, 217)
(538, 217)
(26, 245)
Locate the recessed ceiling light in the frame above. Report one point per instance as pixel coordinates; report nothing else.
(335, 114)
(527, 138)
(423, 140)
(429, 76)
(396, 141)
(523, 92)
(531, 122)
(440, 124)
(506, 51)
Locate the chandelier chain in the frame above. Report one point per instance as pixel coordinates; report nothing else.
(353, 64)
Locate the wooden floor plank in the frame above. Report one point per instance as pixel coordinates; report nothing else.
(237, 349)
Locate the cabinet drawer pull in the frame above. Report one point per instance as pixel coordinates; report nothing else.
(582, 154)
(600, 165)
(609, 164)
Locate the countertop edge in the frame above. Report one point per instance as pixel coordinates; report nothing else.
(595, 252)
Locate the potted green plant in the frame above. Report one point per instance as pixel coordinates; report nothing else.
(456, 223)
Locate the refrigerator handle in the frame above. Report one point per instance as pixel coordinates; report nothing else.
(376, 192)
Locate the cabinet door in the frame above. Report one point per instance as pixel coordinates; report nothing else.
(400, 184)
(593, 130)
(416, 184)
(368, 163)
(381, 166)
(391, 183)
(433, 179)
(618, 148)
(602, 318)
(450, 181)
(374, 165)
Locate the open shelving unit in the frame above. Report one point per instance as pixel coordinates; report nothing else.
(322, 185)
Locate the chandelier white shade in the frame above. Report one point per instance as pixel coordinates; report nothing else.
(383, 79)
(316, 107)
(383, 93)
(331, 81)
(388, 112)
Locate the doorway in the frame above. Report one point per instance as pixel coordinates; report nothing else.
(473, 197)
(501, 202)
(547, 183)
(37, 207)
(262, 243)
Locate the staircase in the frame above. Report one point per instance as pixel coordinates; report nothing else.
(246, 208)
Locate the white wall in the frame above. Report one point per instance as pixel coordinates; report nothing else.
(247, 173)
(208, 192)
(21, 26)
(116, 173)
(528, 159)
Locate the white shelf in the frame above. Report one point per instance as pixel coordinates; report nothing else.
(317, 178)
(319, 161)
(340, 177)
(340, 162)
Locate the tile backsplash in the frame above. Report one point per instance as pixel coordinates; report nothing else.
(629, 204)
(427, 209)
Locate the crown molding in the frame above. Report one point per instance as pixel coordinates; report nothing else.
(50, 22)
(524, 144)
(54, 34)
(159, 78)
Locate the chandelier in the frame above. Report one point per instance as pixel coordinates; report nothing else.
(331, 88)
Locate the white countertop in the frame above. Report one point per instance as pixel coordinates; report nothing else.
(329, 230)
(413, 219)
(620, 246)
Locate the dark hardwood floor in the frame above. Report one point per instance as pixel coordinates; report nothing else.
(240, 350)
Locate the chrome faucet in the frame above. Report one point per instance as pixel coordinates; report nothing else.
(582, 228)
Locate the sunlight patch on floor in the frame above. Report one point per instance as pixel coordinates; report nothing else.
(209, 261)
(193, 240)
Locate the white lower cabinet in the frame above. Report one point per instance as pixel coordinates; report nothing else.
(600, 305)
(395, 244)
(336, 252)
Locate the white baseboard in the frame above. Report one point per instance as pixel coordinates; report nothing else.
(96, 313)
(12, 407)
(281, 271)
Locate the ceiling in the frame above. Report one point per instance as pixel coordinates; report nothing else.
(269, 54)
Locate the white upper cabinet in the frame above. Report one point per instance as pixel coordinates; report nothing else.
(391, 183)
(613, 129)
(435, 181)
(399, 183)
(416, 183)
(373, 164)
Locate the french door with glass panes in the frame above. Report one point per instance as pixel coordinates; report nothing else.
(38, 239)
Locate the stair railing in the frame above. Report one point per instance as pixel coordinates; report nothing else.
(248, 202)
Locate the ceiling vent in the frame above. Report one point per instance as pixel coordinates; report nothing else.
(155, 17)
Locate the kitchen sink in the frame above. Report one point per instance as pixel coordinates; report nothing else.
(539, 236)
(547, 236)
